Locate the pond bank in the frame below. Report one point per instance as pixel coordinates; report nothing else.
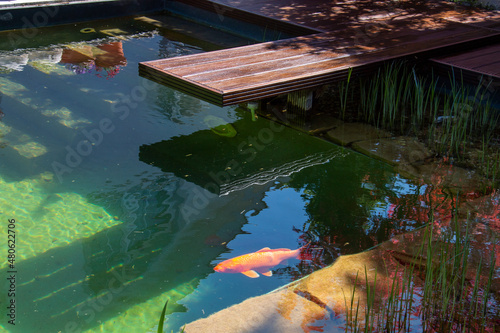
(320, 301)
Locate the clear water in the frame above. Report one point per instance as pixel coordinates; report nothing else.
(124, 197)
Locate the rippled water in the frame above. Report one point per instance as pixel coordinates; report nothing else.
(124, 196)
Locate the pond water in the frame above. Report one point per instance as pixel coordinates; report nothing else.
(124, 194)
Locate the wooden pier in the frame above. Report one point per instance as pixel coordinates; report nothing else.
(351, 35)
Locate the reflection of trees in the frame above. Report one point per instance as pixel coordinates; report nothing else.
(339, 205)
(174, 105)
(357, 204)
(437, 200)
(169, 49)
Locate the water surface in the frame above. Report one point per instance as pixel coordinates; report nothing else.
(125, 196)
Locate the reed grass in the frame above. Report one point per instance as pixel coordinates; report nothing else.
(447, 303)
(450, 121)
(344, 91)
(162, 318)
(161, 322)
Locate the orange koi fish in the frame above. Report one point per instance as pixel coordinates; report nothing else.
(258, 262)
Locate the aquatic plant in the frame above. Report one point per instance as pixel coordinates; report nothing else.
(467, 117)
(398, 99)
(491, 165)
(343, 91)
(452, 117)
(446, 302)
(161, 322)
(162, 318)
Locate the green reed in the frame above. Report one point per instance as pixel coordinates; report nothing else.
(467, 116)
(344, 91)
(352, 312)
(490, 162)
(386, 97)
(447, 304)
(397, 99)
(369, 93)
(425, 102)
(161, 322)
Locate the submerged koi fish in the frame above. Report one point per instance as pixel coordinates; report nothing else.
(261, 261)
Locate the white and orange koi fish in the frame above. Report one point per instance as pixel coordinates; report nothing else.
(258, 262)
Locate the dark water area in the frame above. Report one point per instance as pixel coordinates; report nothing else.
(125, 193)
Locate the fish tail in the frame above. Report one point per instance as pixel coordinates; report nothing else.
(304, 253)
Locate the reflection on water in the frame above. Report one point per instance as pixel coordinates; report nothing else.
(126, 196)
(104, 57)
(78, 58)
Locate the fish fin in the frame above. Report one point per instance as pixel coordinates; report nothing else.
(305, 253)
(264, 249)
(268, 273)
(251, 274)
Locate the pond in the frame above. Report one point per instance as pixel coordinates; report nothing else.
(123, 194)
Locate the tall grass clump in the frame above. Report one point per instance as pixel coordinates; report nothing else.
(398, 99)
(448, 300)
(466, 117)
(450, 116)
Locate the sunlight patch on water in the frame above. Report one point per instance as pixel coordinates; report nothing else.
(30, 149)
(51, 69)
(46, 106)
(66, 117)
(21, 142)
(10, 88)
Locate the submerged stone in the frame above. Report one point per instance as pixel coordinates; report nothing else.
(323, 123)
(399, 150)
(348, 133)
(445, 175)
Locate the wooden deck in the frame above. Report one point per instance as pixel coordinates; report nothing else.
(358, 37)
(478, 62)
(475, 63)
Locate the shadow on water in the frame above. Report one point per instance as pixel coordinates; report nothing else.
(260, 153)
